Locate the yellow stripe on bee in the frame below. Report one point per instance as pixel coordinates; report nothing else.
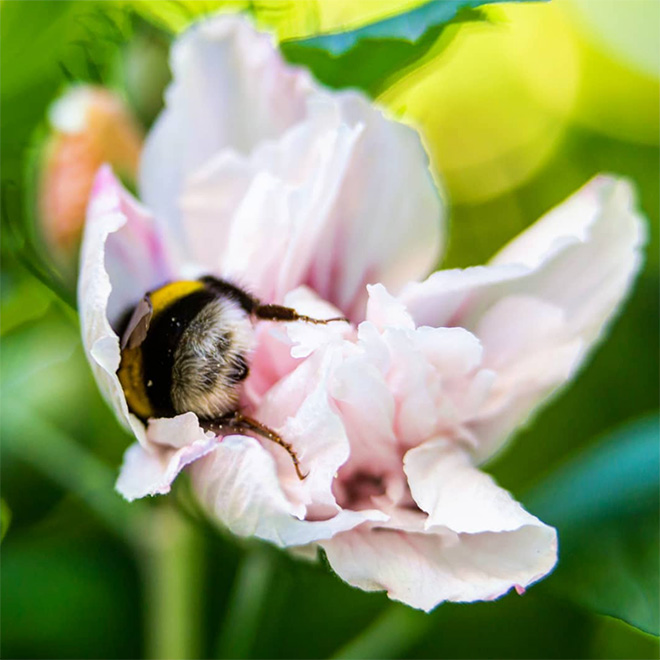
(162, 298)
(131, 368)
(131, 377)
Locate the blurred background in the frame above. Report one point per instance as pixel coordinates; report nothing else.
(517, 110)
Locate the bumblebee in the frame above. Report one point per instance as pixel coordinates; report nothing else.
(185, 348)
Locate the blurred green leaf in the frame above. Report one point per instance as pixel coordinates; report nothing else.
(69, 464)
(5, 518)
(176, 15)
(68, 598)
(373, 56)
(604, 503)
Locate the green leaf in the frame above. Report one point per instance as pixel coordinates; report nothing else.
(605, 506)
(372, 56)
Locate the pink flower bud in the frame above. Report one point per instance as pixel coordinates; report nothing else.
(89, 126)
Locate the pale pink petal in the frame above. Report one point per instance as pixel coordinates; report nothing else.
(367, 407)
(425, 569)
(300, 410)
(267, 209)
(431, 372)
(530, 359)
(311, 208)
(441, 299)
(148, 471)
(386, 224)
(231, 89)
(455, 494)
(308, 337)
(122, 257)
(384, 310)
(239, 486)
(176, 432)
(543, 302)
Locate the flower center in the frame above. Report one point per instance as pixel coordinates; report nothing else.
(356, 491)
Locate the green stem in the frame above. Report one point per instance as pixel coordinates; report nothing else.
(389, 636)
(245, 607)
(168, 548)
(172, 563)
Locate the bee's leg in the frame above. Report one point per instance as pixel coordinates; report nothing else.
(285, 314)
(237, 421)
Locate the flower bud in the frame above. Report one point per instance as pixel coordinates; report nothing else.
(89, 125)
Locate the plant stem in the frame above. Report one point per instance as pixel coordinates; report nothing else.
(389, 636)
(246, 603)
(168, 548)
(172, 569)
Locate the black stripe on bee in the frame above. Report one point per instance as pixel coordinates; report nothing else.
(227, 290)
(160, 344)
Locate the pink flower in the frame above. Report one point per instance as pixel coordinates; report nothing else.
(314, 199)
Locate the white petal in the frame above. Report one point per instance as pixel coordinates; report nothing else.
(308, 337)
(386, 224)
(122, 257)
(571, 270)
(425, 569)
(267, 210)
(238, 484)
(588, 268)
(231, 89)
(176, 432)
(456, 495)
(367, 410)
(151, 472)
(342, 199)
(384, 310)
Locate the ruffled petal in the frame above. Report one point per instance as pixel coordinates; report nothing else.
(231, 89)
(424, 569)
(268, 210)
(122, 257)
(300, 410)
(151, 470)
(311, 207)
(475, 544)
(239, 486)
(553, 289)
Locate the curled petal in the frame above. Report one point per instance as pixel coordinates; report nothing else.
(239, 486)
(308, 337)
(424, 569)
(456, 495)
(570, 270)
(122, 256)
(151, 471)
(386, 223)
(269, 209)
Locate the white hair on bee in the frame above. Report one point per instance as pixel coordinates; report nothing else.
(211, 359)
